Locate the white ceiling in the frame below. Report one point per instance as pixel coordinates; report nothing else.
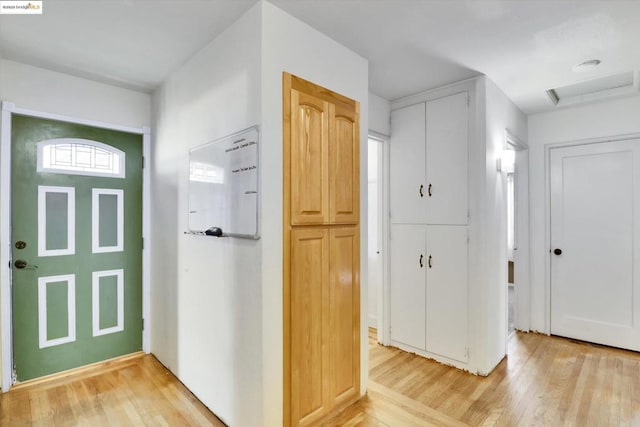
(525, 46)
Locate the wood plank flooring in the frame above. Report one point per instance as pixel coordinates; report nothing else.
(137, 391)
(546, 381)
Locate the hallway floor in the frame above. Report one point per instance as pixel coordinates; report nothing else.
(138, 391)
(546, 381)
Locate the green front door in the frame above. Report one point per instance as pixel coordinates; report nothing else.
(77, 245)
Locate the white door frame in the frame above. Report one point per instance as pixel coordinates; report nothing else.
(8, 109)
(547, 207)
(521, 233)
(383, 305)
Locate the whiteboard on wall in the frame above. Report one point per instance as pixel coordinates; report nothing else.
(223, 185)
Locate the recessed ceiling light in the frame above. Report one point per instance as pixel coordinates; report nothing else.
(586, 66)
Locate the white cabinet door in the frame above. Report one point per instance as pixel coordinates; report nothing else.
(407, 157)
(447, 292)
(595, 243)
(408, 266)
(447, 160)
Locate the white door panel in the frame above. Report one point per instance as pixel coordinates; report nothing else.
(447, 160)
(408, 265)
(407, 163)
(594, 294)
(447, 291)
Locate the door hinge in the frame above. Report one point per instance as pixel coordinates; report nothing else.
(467, 352)
(468, 100)
(142, 162)
(142, 242)
(143, 324)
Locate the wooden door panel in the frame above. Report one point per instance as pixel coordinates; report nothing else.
(309, 159)
(447, 292)
(407, 162)
(321, 289)
(344, 172)
(447, 160)
(344, 331)
(309, 321)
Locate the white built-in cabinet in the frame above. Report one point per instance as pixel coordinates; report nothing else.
(429, 238)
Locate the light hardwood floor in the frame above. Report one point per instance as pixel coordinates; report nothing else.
(546, 381)
(137, 391)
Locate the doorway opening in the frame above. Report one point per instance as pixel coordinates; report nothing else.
(509, 159)
(375, 227)
(515, 166)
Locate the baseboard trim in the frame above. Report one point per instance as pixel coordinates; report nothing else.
(85, 370)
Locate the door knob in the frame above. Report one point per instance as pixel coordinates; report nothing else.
(421, 190)
(557, 251)
(430, 257)
(429, 190)
(421, 260)
(20, 264)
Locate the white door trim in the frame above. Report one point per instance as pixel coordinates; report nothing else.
(522, 294)
(383, 297)
(6, 339)
(547, 214)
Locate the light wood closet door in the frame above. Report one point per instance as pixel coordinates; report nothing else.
(309, 159)
(310, 324)
(321, 289)
(344, 167)
(344, 253)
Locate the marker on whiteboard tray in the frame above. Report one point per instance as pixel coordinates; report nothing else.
(214, 231)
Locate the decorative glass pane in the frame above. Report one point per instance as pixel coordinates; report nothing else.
(56, 310)
(107, 302)
(57, 315)
(57, 210)
(80, 157)
(56, 221)
(107, 220)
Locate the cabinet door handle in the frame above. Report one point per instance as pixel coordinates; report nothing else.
(421, 260)
(429, 190)
(429, 261)
(421, 190)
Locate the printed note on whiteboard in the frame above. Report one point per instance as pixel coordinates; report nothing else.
(223, 185)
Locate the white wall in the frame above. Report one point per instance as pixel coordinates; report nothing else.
(291, 45)
(501, 114)
(52, 92)
(206, 292)
(379, 115)
(604, 119)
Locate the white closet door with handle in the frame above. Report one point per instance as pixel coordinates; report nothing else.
(447, 292)
(595, 243)
(407, 162)
(447, 159)
(408, 266)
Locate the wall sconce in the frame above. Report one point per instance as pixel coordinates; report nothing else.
(507, 161)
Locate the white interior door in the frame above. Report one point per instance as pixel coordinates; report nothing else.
(447, 160)
(594, 243)
(407, 157)
(447, 292)
(408, 266)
